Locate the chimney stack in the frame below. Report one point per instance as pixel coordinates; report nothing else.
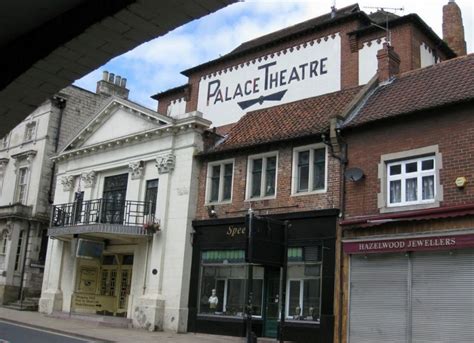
(388, 62)
(453, 29)
(112, 85)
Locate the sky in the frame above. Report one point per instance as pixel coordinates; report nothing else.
(156, 66)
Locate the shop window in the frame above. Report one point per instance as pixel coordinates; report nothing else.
(223, 284)
(303, 300)
(219, 181)
(21, 186)
(261, 176)
(29, 131)
(309, 169)
(410, 180)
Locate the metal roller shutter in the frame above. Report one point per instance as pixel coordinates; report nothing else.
(443, 297)
(378, 298)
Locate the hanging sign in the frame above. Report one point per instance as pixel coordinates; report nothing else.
(307, 70)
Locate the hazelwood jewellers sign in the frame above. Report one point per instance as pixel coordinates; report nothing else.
(410, 244)
(296, 73)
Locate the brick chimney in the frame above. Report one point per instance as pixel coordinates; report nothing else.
(453, 30)
(112, 85)
(388, 63)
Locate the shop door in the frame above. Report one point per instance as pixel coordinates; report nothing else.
(113, 206)
(272, 302)
(115, 280)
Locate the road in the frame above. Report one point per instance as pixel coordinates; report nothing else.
(19, 333)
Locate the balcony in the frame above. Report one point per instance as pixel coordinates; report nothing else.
(102, 218)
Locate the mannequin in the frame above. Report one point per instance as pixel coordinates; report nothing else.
(213, 300)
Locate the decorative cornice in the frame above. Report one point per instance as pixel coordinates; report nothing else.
(194, 123)
(24, 156)
(68, 183)
(136, 169)
(165, 163)
(89, 179)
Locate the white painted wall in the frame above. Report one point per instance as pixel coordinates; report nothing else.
(221, 92)
(427, 56)
(156, 301)
(368, 60)
(176, 107)
(16, 144)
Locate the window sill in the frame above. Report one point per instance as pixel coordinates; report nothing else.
(322, 191)
(260, 198)
(214, 203)
(403, 208)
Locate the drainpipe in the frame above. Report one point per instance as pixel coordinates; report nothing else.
(61, 104)
(24, 263)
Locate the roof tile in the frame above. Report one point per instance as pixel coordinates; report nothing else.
(441, 84)
(296, 119)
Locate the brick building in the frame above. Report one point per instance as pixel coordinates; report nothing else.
(287, 92)
(407, 232)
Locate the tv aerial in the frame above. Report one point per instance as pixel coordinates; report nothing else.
(384, 9)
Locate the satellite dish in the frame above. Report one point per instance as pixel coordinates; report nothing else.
(354, 174)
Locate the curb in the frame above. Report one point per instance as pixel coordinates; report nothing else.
(93, 339)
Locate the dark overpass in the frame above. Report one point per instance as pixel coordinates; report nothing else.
(48, 44)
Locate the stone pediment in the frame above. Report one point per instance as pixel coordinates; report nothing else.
(119, 118)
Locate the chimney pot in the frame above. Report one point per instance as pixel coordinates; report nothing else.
(388, 63)
(453, 29)
(118, 78)
(123, 83)
(105, 75)
(111, 77)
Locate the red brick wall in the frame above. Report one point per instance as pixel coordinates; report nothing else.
(283, 203)
(453, 131)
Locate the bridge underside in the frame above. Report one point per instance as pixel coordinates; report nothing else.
(48, 44)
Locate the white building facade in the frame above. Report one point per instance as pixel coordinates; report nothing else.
(120, 232)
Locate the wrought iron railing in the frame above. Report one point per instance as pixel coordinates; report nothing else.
(102, 211)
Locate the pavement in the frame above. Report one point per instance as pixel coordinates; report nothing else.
(94, 332)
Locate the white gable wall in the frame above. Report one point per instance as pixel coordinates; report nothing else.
(120, 123)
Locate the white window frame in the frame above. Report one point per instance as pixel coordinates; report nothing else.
(404, 176)
(294, 173)
(264, 157)
(25, 184)
(301, 280)
(222, 163)
(431, 151)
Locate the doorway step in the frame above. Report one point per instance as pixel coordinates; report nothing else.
(270, 340)
(28, 304)
(107, 321)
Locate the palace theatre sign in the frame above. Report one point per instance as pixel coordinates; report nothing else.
(306, 70)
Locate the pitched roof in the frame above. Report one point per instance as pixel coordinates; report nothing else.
(224, 129)
(289, 121)
(285, 34)
(441, 84)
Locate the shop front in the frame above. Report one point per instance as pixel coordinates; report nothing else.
(103, 285)
(220, 276)
(411, 288)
